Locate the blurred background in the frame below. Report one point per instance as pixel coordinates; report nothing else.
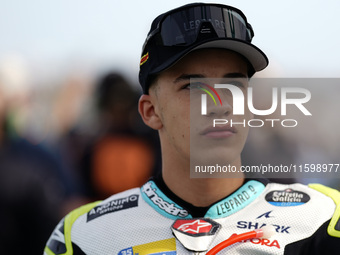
(69, 91)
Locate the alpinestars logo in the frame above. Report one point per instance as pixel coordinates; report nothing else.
(196, 227)
(165, 206)
(195, 234)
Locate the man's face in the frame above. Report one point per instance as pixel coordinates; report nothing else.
(184, 127)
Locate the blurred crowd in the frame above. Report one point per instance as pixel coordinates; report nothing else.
(63, 146)
(75, 142)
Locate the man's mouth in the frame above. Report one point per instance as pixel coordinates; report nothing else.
(219, 132)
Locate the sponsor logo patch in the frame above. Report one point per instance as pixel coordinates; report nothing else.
(113, 206)
(196, 227)
(261, 241)
(162, 247)
(161, 203)
(265, 215)
(195, 234)
(237, 201)
(287, 197)
(252, 225)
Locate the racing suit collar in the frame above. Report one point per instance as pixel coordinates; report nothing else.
(156, 193)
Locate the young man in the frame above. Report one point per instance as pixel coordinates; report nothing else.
(176, 214)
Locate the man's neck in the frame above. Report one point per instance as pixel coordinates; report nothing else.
(198, 191)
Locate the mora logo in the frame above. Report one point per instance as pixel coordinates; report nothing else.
(239, 101)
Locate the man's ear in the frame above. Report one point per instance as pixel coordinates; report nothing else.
(146, 108)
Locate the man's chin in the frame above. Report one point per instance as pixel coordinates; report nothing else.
(214, 154)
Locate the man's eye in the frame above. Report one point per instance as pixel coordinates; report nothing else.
(195, 85)
(192, 85)
(240, 84)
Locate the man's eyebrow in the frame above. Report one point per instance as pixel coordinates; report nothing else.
(186, 77)
(235, 75)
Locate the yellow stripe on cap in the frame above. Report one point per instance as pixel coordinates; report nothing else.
(144, 58)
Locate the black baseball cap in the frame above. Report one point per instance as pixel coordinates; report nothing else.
(197, 26)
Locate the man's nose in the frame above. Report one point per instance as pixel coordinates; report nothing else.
(218, 110)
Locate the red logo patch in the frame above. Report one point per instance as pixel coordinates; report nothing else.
(197, 227)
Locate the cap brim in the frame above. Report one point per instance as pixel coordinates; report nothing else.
(253, 54)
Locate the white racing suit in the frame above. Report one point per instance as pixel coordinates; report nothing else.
(153, 220)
